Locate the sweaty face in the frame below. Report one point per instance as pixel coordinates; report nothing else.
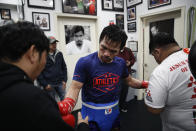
(79, 38)
(108, 50)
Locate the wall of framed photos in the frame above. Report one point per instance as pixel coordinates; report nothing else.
(107, 11)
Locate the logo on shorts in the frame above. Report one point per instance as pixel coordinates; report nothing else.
(106, 82)
(108, 111)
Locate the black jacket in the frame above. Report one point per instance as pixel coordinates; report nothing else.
(24, 106)
(55, 70)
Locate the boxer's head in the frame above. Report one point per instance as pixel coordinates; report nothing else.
(112, 40)
(192, 59)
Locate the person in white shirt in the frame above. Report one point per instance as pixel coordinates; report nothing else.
(171, 91)
(79, 45)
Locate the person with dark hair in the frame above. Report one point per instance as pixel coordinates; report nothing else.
(129, 58)
(79, 45)
(23, 52)
(171, 86)
(54, 76)
(99, 75)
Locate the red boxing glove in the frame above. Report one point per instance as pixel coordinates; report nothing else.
(69, 119)
(66, 106)
(144, 84)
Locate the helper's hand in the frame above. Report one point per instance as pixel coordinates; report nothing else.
(66, 106)
(48, 87)
(80, 120)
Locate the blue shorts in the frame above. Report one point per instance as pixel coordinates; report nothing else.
(105, 115)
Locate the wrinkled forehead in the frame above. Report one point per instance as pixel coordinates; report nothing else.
(111, 43)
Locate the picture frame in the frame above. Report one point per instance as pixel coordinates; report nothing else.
(120, 20)
(133, 45)
(107, 5)
(131, 13)
(42, 20)
(133, 2)
(5, 14)
(158, 3)
(84, 7)
(118, 5)
(131, 27)
(44, 4)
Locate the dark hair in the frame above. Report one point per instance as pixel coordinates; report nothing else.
(161, 39)
(192, 59)
(78, 28)
(17, 38)
(114, 34)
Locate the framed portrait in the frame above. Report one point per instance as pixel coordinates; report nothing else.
(5, 14)
(133, 2)
(86, 7)
(133, 45)
(158, 3)
(131, 13)
(120, 20)
(78, 39)
(107, 5)
(47, 4)
(118, 5)
(131, 27)
(42, 20)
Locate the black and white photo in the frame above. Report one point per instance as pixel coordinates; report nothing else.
(133, 2)
(47, 4)
(118, 5)
(107, 4)
(77, 39)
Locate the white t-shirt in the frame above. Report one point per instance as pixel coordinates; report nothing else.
(172, 86)
(72, 49)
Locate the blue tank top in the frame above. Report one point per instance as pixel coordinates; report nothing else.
(101, 80)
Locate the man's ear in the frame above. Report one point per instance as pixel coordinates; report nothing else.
(32, 54)
(157, 51)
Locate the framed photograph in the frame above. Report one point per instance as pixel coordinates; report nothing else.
(133, 45)
(131, 27)
(107, 4)
(86, 7)
(133, 2)
(131, 13)
(42, 19)
(5, 14)
(75, 38)
(120, 20)
(118, 5)
(47, 4)
(157, 3)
